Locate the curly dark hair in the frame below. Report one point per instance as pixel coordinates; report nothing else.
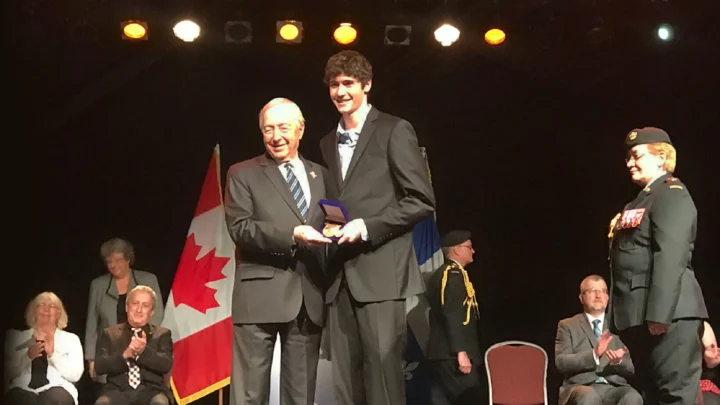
(348, 63)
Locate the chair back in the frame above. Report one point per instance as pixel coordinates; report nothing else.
(517, 373)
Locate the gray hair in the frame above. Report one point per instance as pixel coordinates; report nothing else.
(117, 245)
(62, 320)
(145, 289)
(280, 101)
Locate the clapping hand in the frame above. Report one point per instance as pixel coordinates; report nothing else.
(615, 356)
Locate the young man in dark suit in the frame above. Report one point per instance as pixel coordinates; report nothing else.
(273, 217)
(135, 355)
(376, 170)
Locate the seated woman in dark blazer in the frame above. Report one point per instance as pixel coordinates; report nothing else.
(106, 306)
(42, 363)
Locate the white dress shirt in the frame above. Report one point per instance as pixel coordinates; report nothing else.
(346, 150)
(299, 170)
(65, 366)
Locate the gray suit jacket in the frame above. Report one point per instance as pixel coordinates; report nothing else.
(574, 345)
(274, 276)
(102, 306)
(388, 186)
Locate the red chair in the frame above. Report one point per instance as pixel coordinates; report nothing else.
(517, 373)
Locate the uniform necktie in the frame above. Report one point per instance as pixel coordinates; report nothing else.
(598, 332)
(295, 190)
(133, 368)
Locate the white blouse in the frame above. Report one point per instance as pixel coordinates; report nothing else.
(65, 366)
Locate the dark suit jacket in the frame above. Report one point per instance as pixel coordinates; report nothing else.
(652, 278)
(102, 305)
(154, 362)
(574, 345)
(273, 275)
(448, 335)
(387, 185)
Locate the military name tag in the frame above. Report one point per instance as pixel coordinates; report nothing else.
(631, 218)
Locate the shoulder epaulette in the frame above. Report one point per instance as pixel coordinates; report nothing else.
(470, 299)
(671, 179)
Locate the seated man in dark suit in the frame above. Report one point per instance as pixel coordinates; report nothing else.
(135, 355)
(595, 364)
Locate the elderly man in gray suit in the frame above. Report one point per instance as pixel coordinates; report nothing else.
(595, 364)
(273, 216)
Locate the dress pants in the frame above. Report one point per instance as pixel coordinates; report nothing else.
(667, 366)
(452, 387)
(367, 344)
(253, 349)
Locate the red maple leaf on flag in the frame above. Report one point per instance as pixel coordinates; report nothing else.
(190, 287)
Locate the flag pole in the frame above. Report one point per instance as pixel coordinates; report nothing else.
(220, 396)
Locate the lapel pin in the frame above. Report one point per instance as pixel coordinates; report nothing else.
(313, 174)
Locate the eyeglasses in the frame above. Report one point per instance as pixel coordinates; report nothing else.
(595, 291)
(466, 246)
(634, 158)
(46, 305)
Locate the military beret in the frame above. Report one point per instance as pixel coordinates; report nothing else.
(454, 238)
(641, 136)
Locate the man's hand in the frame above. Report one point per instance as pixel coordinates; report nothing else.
(464, 364)
(657, 328)
(91, 369)
(308, 236)
(138, 343)
(615, 356)
(352, 231)
(603, 343)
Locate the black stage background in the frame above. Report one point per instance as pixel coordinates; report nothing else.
(524, 143)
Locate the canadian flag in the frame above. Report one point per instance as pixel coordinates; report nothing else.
(199, 304)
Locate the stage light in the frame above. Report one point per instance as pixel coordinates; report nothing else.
(495, 36)
(447, 34)
(397, 34)
(187, 30)
(289, 32)
(134, 30)
(665, 32)
(238, 32)
(345, 34)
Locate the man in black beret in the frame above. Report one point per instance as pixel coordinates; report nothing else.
(453, 347)
(656, 305)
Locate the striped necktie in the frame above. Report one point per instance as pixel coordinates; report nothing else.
(133, 368)
(295, 190)
(598, 332)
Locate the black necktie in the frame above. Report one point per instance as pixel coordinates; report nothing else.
(38, 372)
(344, 138)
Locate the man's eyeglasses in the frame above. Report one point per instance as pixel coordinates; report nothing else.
(596, 291)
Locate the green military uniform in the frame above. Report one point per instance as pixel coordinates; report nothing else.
(453, 329)
(651, 243)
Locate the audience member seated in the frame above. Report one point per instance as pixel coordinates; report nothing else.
(710, 377)
(43, 363)
(594, 363)
(108, 293)
(135, 355)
